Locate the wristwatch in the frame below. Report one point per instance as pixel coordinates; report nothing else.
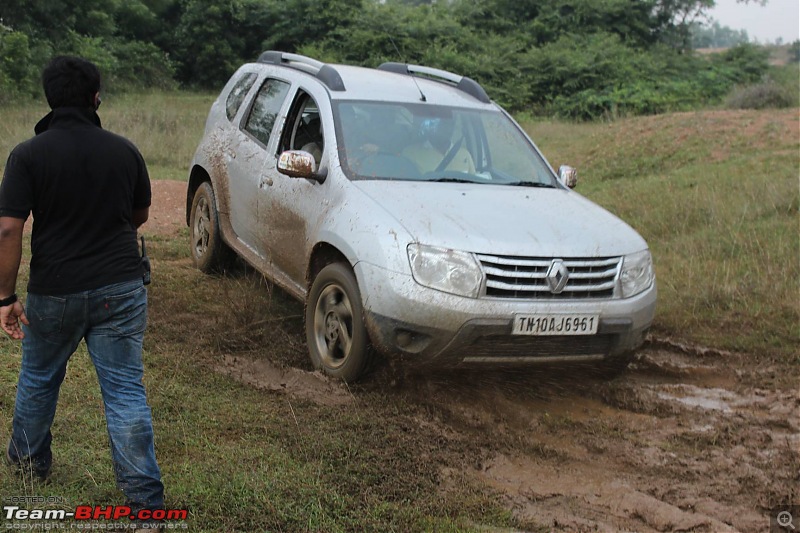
(8, 301)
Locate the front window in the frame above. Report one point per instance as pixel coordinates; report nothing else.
(304, 128)
(424, 142)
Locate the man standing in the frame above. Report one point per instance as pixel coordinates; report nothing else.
(88, 191)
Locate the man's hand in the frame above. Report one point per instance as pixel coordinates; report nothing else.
(10, 318)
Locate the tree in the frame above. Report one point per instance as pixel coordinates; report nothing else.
(716, 36)
(576, 58)
(15, 58)
(208, 45)
(297, 23)
(794, 51)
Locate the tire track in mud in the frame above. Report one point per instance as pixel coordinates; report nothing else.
(677, 443)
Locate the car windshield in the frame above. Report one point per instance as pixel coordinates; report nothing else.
(426, 142)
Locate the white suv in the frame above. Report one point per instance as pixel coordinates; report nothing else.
(413, 215)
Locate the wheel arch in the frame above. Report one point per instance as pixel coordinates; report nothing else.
(197, 177)
(322, 255)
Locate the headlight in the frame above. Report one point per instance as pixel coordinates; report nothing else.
(445, 270)
(637, 273)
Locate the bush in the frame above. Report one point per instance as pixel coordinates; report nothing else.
(745, 63)
(764, 95)
(581, 59)
(15, 59)
(786, 76)
(587, 77)
(794, 51)
(141, 66)
(94, 49)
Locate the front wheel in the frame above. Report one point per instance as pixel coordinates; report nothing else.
(210, 254)
(335, 331)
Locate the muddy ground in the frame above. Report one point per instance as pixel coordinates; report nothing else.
(688, 439)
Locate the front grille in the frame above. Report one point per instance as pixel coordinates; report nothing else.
(526, 277)
(490, 346)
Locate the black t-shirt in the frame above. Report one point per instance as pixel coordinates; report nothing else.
(82, 184)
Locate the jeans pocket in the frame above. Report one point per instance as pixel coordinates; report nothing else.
(127, 313)
(45, 313)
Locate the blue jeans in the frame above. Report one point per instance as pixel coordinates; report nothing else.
(112, 320)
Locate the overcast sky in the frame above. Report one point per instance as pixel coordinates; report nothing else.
(779, 18)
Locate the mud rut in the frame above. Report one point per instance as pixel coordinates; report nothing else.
(685, 440)
(675, 444)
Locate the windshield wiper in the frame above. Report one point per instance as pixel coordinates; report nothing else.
(453, 180)
(513, 183)
(531, 184)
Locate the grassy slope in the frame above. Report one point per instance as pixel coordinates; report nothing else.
(165, 126)
(714, 193)
(716, 196)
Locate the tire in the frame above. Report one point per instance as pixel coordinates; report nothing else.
(337, 338)
(209, 252)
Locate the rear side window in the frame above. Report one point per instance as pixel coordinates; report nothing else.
(237, 94)
(265, 109)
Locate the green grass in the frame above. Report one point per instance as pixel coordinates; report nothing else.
(166, 127)
(716, 196)
(242, 459)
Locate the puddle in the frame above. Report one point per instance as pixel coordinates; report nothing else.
(692, 396)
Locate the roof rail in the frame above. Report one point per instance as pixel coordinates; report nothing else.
(463, 83)
(325, 73)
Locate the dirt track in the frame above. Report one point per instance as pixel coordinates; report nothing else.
(686, 440)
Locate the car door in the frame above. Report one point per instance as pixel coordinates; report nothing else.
(250, 156)
(290, 206)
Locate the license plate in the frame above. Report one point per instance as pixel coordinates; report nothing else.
(555, 324)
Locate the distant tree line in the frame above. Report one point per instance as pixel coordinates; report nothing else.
(572, 58)
(716, 36)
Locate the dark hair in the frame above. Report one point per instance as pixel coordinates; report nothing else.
(70, 82)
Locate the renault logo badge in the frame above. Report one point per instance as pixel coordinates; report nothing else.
(557, 276)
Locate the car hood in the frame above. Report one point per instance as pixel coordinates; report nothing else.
(503, 220)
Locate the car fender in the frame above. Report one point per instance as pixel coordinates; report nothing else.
(381, 242)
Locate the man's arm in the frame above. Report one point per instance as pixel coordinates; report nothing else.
(10, 253)
(140, 216)
(10, 257)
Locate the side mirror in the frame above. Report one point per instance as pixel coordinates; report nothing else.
(568, 176)
(300, 164)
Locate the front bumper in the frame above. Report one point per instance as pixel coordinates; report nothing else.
(430, 326)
